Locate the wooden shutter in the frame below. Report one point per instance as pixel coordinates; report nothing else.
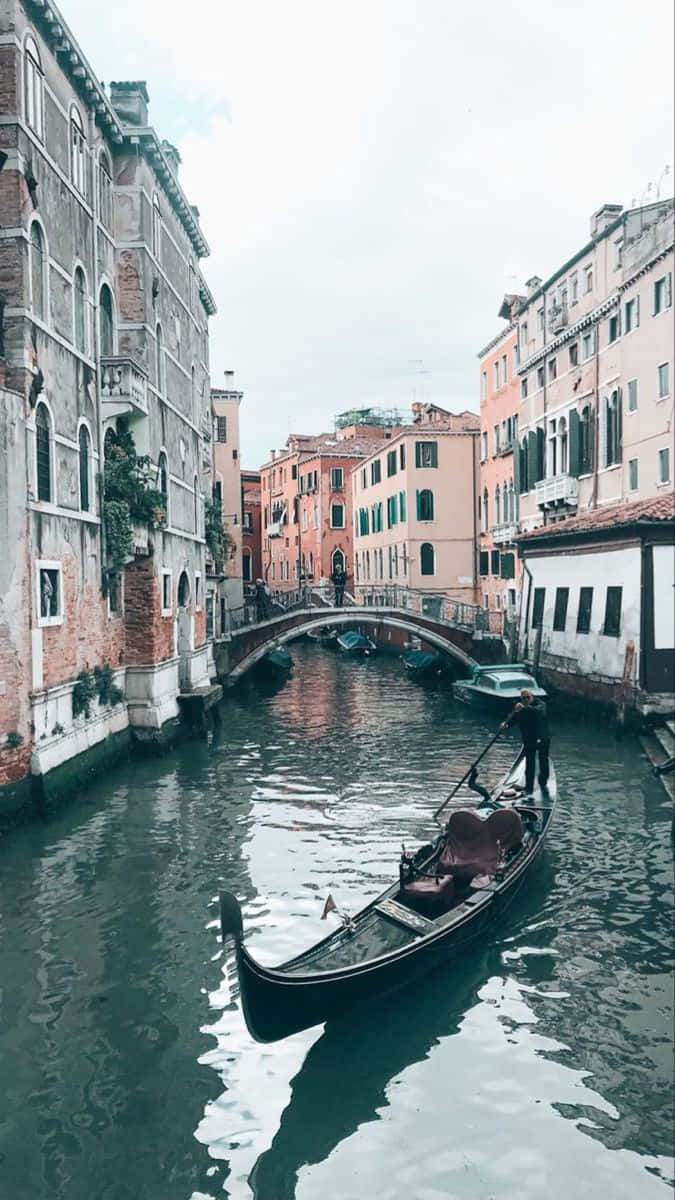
(484, 562)
(419, 506)
(531, 459)
(508, 566)
(494, 565)
(575, 444)
(516, 466)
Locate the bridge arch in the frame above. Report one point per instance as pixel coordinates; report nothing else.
(393, 619)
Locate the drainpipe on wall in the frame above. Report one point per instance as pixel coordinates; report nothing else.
(97, 342)
(527, 571)
(596, 421)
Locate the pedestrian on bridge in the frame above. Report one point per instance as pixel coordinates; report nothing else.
(339, 578)
(262, 600)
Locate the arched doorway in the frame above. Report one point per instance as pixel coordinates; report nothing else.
(337, 561)
(184, 637)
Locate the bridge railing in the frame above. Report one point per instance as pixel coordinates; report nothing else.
(440, 608)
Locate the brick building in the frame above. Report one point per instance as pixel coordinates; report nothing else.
(251, 558)
(104, 356)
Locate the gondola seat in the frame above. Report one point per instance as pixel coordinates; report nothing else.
(472, 847)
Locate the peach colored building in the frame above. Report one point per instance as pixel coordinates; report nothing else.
(497, 499)
(415, 521)
(227, 488)
(251, 531)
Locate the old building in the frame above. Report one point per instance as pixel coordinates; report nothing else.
(415, 519)
(107, 413)
(595, 345)
(497, 499)
(227, 494)
(251, 528)
(598, 611)
(307, 501)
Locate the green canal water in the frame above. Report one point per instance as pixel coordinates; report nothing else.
(540, 1066)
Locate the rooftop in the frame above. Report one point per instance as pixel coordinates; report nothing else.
(658, 508)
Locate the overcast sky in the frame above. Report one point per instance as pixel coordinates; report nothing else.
(373, 175)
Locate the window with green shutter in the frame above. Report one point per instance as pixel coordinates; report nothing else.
(484, 562)
(508, 565)
(494, 562)
(426, 454)
(376, 471)
(392, 511)
(401, 505)
(391, 463)
(363, 521)
(425, 505)
(538, 607)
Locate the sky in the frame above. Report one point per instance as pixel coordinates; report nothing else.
(374, 175)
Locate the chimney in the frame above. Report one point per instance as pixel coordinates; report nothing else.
(532, 284)
(603, 217)
(130, 100)
(172, 156)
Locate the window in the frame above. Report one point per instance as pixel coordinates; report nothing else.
(483, 445)
(294, 471)
(163, 479)
(614, 328)
(588, 279)
(401, 506)
(483, 563)
(376, 471)
(159, 359)
(562, 595)
(586, 441)
(363, 522)
(486, 512)
(364, 478)
(523, 335)
(612, 429)
(663, 293)
(495, 369)
(664, 465)
(523, 388)
(503, 368)
(401, 456)
(79, 310)
(632, 475)
(166, 593)
(315, 517)
(77, 152)
(540, 319)
(43, 453)
(426, 454)
(392, 511)
(498, 501)
(303, 520)
(210, 613)
(483, 385)
(376, 518)
(540, 377)
(494, 562)
(247, 524)
(427, 559)
(106, 324)
(538, 607)
(156, 228)
(391, 463)
(32, 87)
(37, 271)
(105, 190)
(115, 595)
(618, 253)
(562, 446)
(425, 505)
(574, 354)
(84, 444)
(507, 566)
(612, 625)
(574, 288)
(497, 445)
(196, 497)
(664, 380)
(631, 314)
(50, 593)
(552, 368)
(337, 516)
(336, 479)
(632, 395)
(198, 587)
(588, 344)
(585, 609)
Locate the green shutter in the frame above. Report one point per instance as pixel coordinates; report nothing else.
(619, 420)
(508, 566)
(575, 445)
(434, 454)
(540, 468)
(401, 505)
(516, 466)
(419, 518)
(418, 454)
(531, 459)
(484, 561)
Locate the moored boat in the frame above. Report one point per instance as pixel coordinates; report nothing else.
(355, 643)
(497, 688)
(423, 662)
(448, 895)
(277, 661)
(325, 636)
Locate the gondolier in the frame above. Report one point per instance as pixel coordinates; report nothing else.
(532, 719)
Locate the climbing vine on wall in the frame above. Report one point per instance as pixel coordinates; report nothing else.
(128, 497)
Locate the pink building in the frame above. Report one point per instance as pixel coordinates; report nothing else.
(415, 523)
(497, 499)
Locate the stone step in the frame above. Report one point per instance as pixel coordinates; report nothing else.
(667, 739)
(670, 724)
(657, 755)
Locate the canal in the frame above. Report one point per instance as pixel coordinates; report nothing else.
(540, 1066)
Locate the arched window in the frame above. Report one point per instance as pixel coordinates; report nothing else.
(585, 441)
(512, 503)
(77, 151)
(159, 359)
(183, 590)
(84, 443)
(106, 322)
(37, 271)
(163, 476)
(105, 190)
(427, 559)
(337, 561)
(32, 87)
(562, 446)
(79, 310)
(498, 504)
(612, 429)
(425, 505)
(43, 452)
(486, 511)
(156, 228)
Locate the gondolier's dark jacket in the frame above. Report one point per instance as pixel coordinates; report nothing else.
(532, 720)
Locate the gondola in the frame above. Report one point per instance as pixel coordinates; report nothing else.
(448, 895)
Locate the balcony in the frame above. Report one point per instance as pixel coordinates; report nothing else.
(273, 530)
(502, 534)
(559, 489)
(123, 388)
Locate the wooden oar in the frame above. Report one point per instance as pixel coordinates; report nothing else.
(466, 775)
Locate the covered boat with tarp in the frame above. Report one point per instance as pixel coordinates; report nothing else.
(353, 642)
(449, 894)
(277, 662)
(422, 662)
(325, 636)
(497, 688)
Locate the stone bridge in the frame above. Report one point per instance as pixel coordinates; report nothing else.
(245, 647)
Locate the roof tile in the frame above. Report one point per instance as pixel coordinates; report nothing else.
(658, 508)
